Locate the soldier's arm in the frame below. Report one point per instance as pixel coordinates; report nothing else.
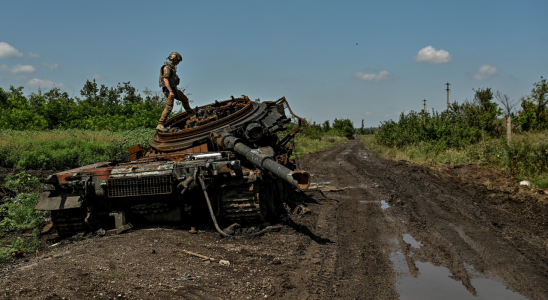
(171, 92)
(166, 73)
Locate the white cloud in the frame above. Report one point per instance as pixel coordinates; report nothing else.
(367, 113)
(485, 72)
(7, 51)
(43, 83)
(429, 55)
(34, 55)
(23, 69)
(54, 66)
(4, 68)
(372, 77)
(97, 76)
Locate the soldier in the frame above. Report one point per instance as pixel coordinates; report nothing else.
(168, 82)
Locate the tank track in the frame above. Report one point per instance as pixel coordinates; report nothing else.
(240, 205)
(68, 222)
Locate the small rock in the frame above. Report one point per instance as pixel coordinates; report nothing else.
(100, 232)
(224, 262)
(526, 183)
(152, 251)
(187, 277)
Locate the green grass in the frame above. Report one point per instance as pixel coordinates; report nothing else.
(8, 247)
(17, 214)
(526, 157)
(304, 144)
(65, 149)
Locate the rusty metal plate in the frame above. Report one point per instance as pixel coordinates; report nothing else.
(139, 186)
(59, 202)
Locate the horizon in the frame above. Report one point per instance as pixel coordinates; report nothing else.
(330, 60)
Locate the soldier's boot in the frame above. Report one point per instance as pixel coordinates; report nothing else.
(186, 103)
(160, 126)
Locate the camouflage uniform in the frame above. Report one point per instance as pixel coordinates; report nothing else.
(169, 71)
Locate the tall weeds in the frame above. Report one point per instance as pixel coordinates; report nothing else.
(65, 149)
(526, 157)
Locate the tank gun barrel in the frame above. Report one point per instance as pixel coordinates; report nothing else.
(298, 179)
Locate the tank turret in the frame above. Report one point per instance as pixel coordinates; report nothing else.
(225, 163)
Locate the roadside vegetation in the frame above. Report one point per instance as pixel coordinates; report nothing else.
(17, 215)
(98, 108)
(474, 132)
(317, 137)
(66, 149)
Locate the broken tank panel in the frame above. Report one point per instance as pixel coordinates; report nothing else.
(225, 163)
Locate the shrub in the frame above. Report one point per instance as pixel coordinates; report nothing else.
(66, 149)
(18, 213)
(22, 182)
(101, 108)
(456, 127)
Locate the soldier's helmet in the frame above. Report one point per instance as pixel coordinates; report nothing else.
(175, 56)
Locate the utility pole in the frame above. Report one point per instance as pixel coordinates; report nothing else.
(448, 84)
(424, 111)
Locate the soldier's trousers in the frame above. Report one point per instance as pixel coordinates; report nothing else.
(169, 104)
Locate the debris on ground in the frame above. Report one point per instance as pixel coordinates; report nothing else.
(6, 193)
(187, 277)
(526, 183)
(231, 230)
(325, 188)
(48, 227)
(224, 262)
(100, 232)
(18, 253)
(301, 210)
(199, 255)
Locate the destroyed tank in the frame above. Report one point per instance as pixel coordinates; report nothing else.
(225, 163)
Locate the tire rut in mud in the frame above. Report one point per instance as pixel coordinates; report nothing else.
(458, 225)
(356, 263)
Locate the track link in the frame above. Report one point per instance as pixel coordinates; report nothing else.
(68, 222)
(241, 205)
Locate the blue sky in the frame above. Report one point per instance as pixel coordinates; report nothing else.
(330, 59)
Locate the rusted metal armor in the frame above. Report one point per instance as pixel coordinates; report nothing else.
(225, 161)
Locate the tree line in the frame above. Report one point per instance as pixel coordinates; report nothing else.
(469, 122)
(98, 108)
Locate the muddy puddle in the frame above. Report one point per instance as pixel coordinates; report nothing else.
(435, 282)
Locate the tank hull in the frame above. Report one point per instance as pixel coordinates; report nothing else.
(162, 186)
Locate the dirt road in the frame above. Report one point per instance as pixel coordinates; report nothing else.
(396, 231)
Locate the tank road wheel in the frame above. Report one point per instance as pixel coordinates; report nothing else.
(240, 204)
(68, 222)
